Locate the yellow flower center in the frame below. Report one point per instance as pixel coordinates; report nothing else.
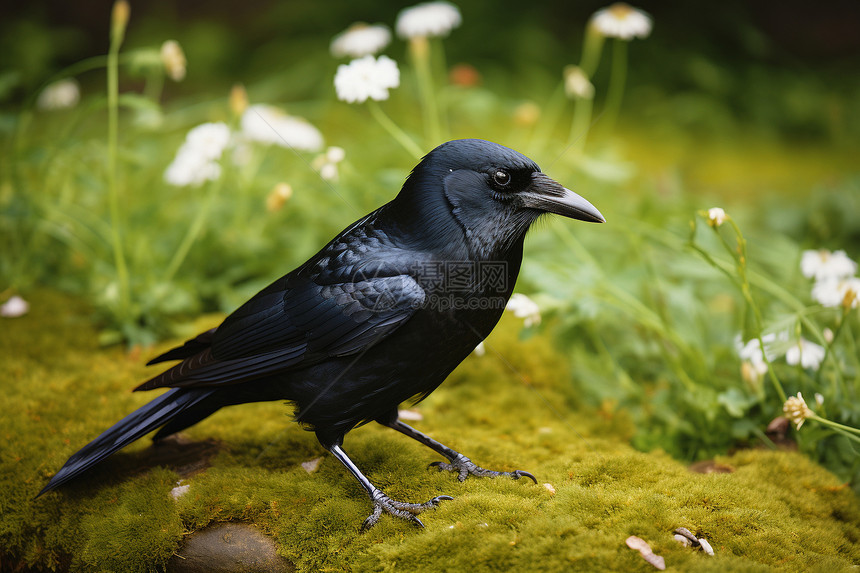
(621, 10)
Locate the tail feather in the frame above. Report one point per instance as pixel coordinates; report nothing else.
(134, 426)
(191, 347)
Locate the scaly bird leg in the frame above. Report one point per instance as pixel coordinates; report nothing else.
(382, 502)
(457, 462)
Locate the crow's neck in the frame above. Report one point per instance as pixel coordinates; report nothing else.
(433, 230)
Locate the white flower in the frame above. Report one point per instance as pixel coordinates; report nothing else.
(360, 40)
(622, 21)
(716, 216)
(807, 353)
(429, 19)
(525, 308)
(366, 77)
(796, 410)
(335, 154)
(197, 159)
(209, 139)
(173, 59)
(269, 125)
(822, 264)
(190, 168)
(754, 366)
(837, 292)
(61, 94)
(753, 372)
(326, 163)
(14, 307)
(576, 83)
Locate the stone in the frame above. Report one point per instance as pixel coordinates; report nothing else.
(228, 548)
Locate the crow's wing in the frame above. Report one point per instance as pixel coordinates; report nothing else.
(293, 323)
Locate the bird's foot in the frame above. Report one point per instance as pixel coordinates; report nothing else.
(403, 510)
(465, 467)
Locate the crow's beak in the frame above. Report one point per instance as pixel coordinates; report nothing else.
(544, 194)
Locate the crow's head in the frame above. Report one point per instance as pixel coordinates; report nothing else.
(490, 192)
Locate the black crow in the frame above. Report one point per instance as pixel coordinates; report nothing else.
(381, 315)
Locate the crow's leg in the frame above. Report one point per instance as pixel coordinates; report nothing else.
(457, 462)
(382, 502)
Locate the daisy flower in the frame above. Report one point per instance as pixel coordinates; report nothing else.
(753, 372)
(428, 20)
(209, 139)
(806, 353)
(751, 351)
(360, 40)
(173, 59)
(366, 78)
(326, 163)
(716, 216)
(525, 308)
(269, 125)
(62, 94)
(622, 21)
(821, 264)
(197, 159)
(796, 410)
(576, 83)
(834, 292)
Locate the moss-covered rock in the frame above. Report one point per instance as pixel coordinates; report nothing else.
(509, 409)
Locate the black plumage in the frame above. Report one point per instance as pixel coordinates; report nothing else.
(382, 314)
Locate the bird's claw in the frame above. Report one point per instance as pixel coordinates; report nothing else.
(403, 510)
(465, 467)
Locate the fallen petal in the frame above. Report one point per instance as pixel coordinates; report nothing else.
(311, 466)
(706, 547)
(644, 549)
(179, 491)
(412, 415)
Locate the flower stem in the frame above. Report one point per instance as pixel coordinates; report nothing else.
(393, 130)
(828, 352)
(592, 46)
(116, 38)
(548, 120)
(616, 84)
(419, 50)
(847, 431)
(193, 232)
(154, 86)
(440, 69)
(741, 262)
(581, 123)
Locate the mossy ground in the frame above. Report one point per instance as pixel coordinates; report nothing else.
(511, 410)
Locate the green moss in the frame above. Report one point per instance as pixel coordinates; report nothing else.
(776, 511)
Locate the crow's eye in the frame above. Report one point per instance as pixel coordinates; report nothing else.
(501, 178)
